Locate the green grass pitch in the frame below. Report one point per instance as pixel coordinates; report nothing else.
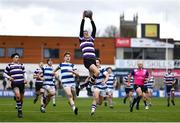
(159, 112)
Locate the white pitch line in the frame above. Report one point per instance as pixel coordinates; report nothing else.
(5, 104)
(141, 111)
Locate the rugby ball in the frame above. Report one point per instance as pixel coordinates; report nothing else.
(88, 13)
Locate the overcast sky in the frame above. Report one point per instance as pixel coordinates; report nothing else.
(62, 17)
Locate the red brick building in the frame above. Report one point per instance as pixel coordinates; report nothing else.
(38, 48)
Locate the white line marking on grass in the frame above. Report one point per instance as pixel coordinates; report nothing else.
(5, 104)
(141, 111)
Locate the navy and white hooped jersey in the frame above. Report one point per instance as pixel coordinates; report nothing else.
(125, 80)
(16, 71)
(67, 76)
(87, 47)
(100, 79)
(150, 82)
(169, 78)
(39, 72)
(111, 81)
(48, 75)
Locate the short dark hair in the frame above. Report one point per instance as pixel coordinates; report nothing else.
(49, 60)
(67, 53)
(170, 70)
(15, 54)
(85, 30)
(98, 59)
(109, 68)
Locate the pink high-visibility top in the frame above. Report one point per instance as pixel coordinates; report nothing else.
(139, 76)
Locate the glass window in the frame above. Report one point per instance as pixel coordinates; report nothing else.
(176, 52)
(154, 53)
(137, 53)
(20, 51)
(78, 53)
(144, 53)
(2, 52)
(51, 53)
(128, 53)
(11, 51)
(97, 53)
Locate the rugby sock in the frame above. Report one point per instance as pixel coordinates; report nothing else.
(110, 102)
(134, 101)
(93, 108)
(138, 100)
(105, 101)
(14, 98)
(92, 79)
(73, 107)
(48, 98)
(84, 85)
(172, 101)
(42, 100)
(90, 82)
(19, 105)
(54, 99)
(168, 101)
(130, 99)
(124, 100)
(37, 95)
(21, 102)
(145, 103)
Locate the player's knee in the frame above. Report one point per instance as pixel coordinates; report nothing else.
(52, 93)
(140, 94)
(70, 96)
(18, 98)
(97, 99)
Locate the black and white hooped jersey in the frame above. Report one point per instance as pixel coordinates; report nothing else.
(39, 72)
(125, 81)
(16, 71)
(169, 78)
(87, 44)
(87, 47)
(150, 82)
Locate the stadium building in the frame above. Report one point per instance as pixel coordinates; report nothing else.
(34, 49)
(122, 54)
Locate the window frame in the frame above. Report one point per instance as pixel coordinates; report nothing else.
(15, 50)
(129, 53)
(4, 54)
(50, 51)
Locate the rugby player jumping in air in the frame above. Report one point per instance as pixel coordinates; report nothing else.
(88, 50)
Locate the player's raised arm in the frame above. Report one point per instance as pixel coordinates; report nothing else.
(93, 34)
(82, 26)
